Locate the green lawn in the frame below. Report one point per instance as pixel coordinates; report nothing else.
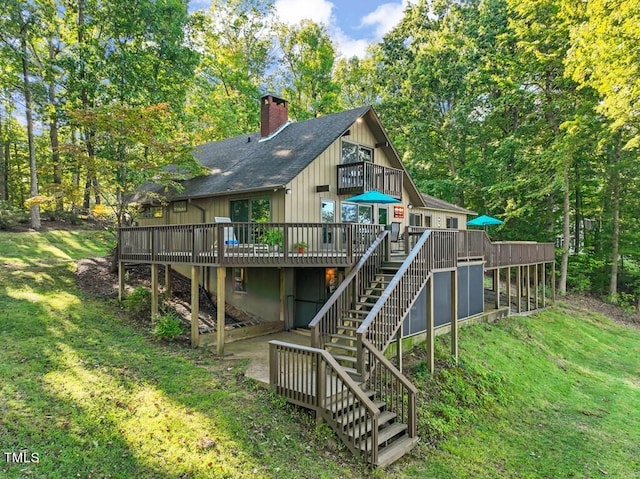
(553, 395)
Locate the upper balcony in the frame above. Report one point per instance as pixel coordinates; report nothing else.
(363, 176)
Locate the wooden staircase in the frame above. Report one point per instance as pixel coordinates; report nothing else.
(362, 396)
(392, 439)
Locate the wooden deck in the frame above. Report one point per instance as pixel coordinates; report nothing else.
(325, 245)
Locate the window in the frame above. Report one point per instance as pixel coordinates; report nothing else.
(353, 153)
(327, 215)
(153, 212)
(179, 206)
(415, 219)
(427, 221)
(254, 210)
(452, 222)
(352, 213)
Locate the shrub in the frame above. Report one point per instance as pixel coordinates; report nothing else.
(168, 327)
(138, 302)
(10, 216)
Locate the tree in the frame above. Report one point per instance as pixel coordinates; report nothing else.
(234, 38)
(306, 77)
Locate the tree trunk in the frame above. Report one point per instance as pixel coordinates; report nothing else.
(35, 208)
(566, 234)
(53, 134)
(3, 162)
(615, 227)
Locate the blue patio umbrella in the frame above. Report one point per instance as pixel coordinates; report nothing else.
(373, 196)
(484, 220)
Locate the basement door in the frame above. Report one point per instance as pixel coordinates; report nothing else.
(311, 292)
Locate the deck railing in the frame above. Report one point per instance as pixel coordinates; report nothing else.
(248, 244)
(312, 378)
(389, 383)
(433, 250)
(326, 321)
(476, 245)
(366, 176)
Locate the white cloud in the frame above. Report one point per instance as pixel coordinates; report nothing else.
(347, 46)
(293, 11)
(385, 17)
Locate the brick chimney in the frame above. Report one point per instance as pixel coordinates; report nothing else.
(273, 114)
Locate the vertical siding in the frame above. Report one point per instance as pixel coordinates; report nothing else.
(303, 204)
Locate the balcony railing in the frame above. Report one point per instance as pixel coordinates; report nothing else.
(476, 245)
(355, 178)
(248, 244)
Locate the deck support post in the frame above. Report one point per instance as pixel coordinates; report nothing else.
(221, 276)
(536, 284)
(519, 289)
(496, 287)
(195, 306)
(121, 272)
(544, 285)
(430, 322)
(508, 286)
(553, 282)
(154, 291)
(454, 315)
(167, 279)
(283, 298)
(528, 287)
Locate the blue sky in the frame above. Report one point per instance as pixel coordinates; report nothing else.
(352, 24)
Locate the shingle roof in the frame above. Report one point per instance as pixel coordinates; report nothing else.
(438, 204)
(248, 163)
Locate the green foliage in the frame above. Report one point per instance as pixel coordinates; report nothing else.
(167, 327)
(585, 274)
(10, 216)
(455, 396)
(138, 302)
(272, 237)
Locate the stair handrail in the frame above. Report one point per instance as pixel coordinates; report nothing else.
(420, 255)
(379, 364)
(325, 322)
(326, 360)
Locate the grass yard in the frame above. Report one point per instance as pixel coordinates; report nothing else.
(553, 395)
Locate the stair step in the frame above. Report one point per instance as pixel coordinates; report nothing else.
(342, 357)
(384, 435)
(344, 337)
(395, 450)
(369, 295)
(365, 303)
(342, 404)
(356, 430)
(342, 346)
(348, 328)
(353, 372)
(356, 311)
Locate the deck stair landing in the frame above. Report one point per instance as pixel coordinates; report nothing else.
(369, 404)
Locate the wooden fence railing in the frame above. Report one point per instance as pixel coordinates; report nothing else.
(476, 245)
(312, 378)
(366, 176)
(435, 249)
(326, 321)
(389, 383)
(248, 244)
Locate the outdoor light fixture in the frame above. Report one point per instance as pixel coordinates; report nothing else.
(410, 206)
(288, 191)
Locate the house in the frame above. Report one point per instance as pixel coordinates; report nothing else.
(271, 230)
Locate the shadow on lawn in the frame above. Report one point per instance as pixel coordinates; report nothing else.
(95, 398)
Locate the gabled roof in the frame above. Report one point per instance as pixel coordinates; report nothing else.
(437, 204)
(250, 163)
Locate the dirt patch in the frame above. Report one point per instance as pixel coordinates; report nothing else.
(94, 276)
(592, 304)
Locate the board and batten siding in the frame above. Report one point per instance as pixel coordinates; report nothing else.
(439, 218)
(304, 202)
